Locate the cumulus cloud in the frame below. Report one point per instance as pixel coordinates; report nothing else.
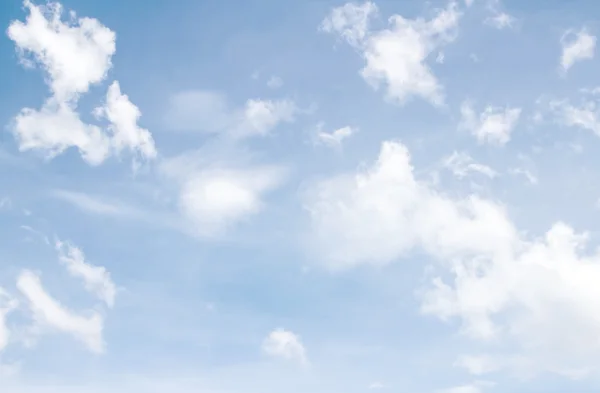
(494, 125)
(96, 279)
(215, 199)
(396, 58)
(57, 127)
(285, 344)
(538, 295)
(378, 215)
(218, 185)
(74, 55)
(576, 46)
(51, 314)
(123, 116)
(208, 111)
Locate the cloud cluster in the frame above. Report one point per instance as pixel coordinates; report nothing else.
(75, 55)
(494, 125)
(539, 294)
(396, 58)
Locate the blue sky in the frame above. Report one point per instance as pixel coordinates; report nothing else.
(300, 196)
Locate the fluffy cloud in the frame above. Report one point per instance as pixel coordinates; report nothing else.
(284, 344)
(461, 164)
(396, 57)
(537, 295)
(123, 116)
(215, 199)
(57, 127)
(209, 111)
(494, 125)
(96, 279)
(74, 55)
(49, 313)
(261, 116)
(576, 46)
(218, 185)
(380, 214)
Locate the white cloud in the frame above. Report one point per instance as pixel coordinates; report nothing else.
(494, 125)
(396, 57)
(377, 385)
(576, 46)
(461, 164)
(49, 313)
(123, 117)
(96, 279)
(537, 296)
(540, 295)
(351, 21)
(208, 111)
(586, 116)
(57, 127)
(215, 199)
(7, 304)
(75, 55)
(262, 116)
(286, 345)
(383, 212)
(500, 20)
(335, 137)
(275, 82)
